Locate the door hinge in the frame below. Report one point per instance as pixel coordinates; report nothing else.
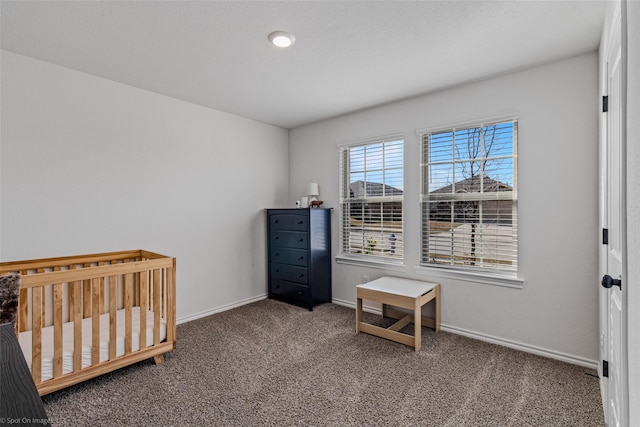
(605, 369)
(605, 236)
(605, 104)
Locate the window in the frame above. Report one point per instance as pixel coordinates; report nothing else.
(371, 199)
(469, 197)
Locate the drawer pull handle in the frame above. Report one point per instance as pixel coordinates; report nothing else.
(300, 222)
(301, 240)
(277, 254)
(277, 270)
(301, 258)
(300, 276)
(276, 221)
(277, 238)
(299, 292)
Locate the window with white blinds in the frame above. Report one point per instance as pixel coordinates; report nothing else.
(371, 199)
(469, 197)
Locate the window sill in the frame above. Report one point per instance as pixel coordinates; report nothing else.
(384, 264)
(399, 266)
(467, 276)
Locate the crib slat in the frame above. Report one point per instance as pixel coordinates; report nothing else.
(86, 312)
(144, 291)
(171, 304)
(163, 286)
(72, 299)
(77, 326)
(42, 313)
(113, 297)
(95, 321)
(128, 296)
(156, 307)
(23, 313)
(102, 288)
(57, 330)
(36, 335)
(136, 290)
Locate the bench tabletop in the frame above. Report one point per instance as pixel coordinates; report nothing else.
(399, 286)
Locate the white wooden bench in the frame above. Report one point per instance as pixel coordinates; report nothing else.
(402, 293)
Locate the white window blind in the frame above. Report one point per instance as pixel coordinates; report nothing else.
(469, 197)
(371, 199)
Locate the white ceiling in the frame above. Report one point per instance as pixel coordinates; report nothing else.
(348, 55)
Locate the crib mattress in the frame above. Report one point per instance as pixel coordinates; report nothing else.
(67, 337)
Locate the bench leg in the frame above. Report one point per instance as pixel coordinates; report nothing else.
(358, 314)
(437, 308)
(417, 322)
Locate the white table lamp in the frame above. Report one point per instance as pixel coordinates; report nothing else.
(312, 191)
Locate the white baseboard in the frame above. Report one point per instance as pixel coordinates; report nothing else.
(344, 303)
(552, 354)
(569, 358)
(220, 309)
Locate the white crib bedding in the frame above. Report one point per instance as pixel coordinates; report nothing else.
(67, 338)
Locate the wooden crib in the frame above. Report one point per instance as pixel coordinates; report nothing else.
(83, 316)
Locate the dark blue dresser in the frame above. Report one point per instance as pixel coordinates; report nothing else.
(299, 255)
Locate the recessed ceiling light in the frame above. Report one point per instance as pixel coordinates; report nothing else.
(282, 38)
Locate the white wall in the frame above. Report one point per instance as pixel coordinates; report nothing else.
(633, 208)
(89, 165)
(556, 311)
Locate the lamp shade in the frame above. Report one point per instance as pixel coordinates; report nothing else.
(312, 189)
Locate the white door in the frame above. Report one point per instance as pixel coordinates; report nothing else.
(616, 246)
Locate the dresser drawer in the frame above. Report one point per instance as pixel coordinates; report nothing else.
(290, 256)
(290, 273)
(291, 222)
(289, 239)
(290, 290)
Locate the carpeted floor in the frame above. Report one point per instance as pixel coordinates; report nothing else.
(273, 364)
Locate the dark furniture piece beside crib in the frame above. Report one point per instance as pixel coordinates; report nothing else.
(20, 402)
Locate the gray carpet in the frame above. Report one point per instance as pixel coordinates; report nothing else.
(273, 364)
